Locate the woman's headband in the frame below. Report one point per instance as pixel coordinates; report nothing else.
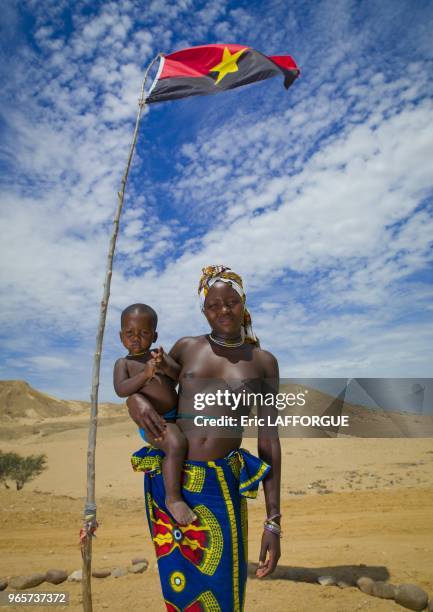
(213, 274)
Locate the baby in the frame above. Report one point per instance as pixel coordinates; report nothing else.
(153, 374)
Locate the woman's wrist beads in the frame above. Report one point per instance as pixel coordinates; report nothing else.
(271, 525)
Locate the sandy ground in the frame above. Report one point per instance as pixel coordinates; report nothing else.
(346, 502)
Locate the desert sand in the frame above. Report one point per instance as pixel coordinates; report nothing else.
(350, 507)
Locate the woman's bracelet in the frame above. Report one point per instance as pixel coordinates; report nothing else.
(272, 526)
(274, 516)
(270, 522)
(273, 530)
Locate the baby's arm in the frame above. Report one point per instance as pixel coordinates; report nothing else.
(126, 386)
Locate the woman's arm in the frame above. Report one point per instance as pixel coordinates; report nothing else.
(125, 386)
(269, 450)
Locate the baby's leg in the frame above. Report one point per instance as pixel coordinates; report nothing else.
(174, 445)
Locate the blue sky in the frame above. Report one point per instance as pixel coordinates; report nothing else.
(320, 197)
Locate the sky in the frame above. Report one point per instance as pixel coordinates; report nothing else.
(319, 196)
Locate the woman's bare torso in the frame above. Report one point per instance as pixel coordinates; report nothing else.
(206, 367)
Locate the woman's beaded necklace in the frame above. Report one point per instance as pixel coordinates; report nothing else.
(227, 343)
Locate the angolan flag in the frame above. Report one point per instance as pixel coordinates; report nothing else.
(211, 69)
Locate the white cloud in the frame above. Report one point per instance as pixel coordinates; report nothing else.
(316, 195)
(45, 362)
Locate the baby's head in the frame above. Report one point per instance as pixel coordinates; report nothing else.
(138, 328)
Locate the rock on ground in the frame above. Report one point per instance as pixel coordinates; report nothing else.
(56, 576)
(411, 596)
(101, 573)
(365, 584)
(326, 580)
(384, 590)
(27, 582)
(76, 576)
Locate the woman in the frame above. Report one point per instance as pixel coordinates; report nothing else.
(203, 566)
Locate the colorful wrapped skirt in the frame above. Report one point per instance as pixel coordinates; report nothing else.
(203, 565)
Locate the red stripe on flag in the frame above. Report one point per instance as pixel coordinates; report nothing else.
(285, 61)
(195, 61)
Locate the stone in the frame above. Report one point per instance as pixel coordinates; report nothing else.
(3, 584)
(76, 576)
(326, 580)
(118, 572)
(365, 584)
(343, 584)
(138, 568)
(139, 560)
(101, 573)
(56, 576)
(384, 590)
(411, 596)
(26, 582)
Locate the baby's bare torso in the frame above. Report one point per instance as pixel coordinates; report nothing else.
(161, 390)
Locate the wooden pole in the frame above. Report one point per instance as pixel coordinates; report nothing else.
(90, 524)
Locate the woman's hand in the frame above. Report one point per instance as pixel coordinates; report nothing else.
(145, 415)
(269, 554)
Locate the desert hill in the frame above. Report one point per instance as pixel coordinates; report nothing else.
(37, 413)
(18, 400)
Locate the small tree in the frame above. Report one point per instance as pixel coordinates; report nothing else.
(7, 462)
(20, 469)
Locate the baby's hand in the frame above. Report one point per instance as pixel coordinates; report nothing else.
(150, 368)
(160, 359)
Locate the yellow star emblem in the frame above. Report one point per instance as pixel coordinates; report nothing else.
(227, 65)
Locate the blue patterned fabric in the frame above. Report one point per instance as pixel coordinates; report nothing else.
(202, 566)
